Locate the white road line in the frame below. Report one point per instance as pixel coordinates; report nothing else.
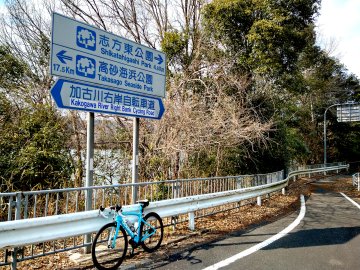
(350, 200)
(262, 244)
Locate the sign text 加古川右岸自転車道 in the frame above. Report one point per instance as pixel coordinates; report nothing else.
(87, 97)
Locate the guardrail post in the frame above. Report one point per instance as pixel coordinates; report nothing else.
(283, 191)
(17, 217)
(238, 182)
(18, 206)
(258, 200)
(354, 179)
(192, 221)
(173, 192)
(177, 189)
(10, 208)
(14, 259)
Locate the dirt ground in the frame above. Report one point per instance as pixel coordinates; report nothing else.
(208, 228)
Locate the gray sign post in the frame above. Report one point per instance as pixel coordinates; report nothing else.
(135, 160)
(89, 169)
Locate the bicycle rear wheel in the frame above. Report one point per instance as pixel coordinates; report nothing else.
(104, 256)
(154, 241)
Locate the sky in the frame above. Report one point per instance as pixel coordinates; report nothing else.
(338, 30)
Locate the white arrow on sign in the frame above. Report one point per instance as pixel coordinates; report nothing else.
(86, 97)
(62, 57)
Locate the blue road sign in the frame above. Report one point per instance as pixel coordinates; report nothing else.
(86, 97)
(85, 53)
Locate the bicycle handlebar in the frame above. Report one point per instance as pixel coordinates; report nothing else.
(117, 208)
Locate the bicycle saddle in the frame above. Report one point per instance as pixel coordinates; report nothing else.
(144, 203)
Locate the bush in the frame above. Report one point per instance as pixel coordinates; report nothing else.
(32, 148)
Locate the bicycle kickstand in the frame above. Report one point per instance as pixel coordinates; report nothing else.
(131, 251)
(133, 246)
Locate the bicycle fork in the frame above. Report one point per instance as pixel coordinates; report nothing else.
(112, 237)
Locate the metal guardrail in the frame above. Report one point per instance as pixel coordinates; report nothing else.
(313, 166)
(356, 180)
(22, 232)
(31, 231)
(32, 204)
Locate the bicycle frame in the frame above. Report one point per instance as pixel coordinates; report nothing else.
(121, 221)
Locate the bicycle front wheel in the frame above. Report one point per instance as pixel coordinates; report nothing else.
(105, 254)
(152, 222)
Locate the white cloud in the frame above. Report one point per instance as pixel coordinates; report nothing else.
(340, 20)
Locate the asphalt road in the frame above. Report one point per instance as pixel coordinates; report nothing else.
(328, 237)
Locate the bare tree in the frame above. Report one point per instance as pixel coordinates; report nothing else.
(144, 21)
(209, 118)
(26, 31)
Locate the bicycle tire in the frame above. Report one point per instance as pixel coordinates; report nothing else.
(105, 257)
(153, 242)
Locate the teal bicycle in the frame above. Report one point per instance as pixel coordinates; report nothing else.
(110, 244)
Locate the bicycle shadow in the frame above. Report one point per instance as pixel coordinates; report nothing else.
(316, 237)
